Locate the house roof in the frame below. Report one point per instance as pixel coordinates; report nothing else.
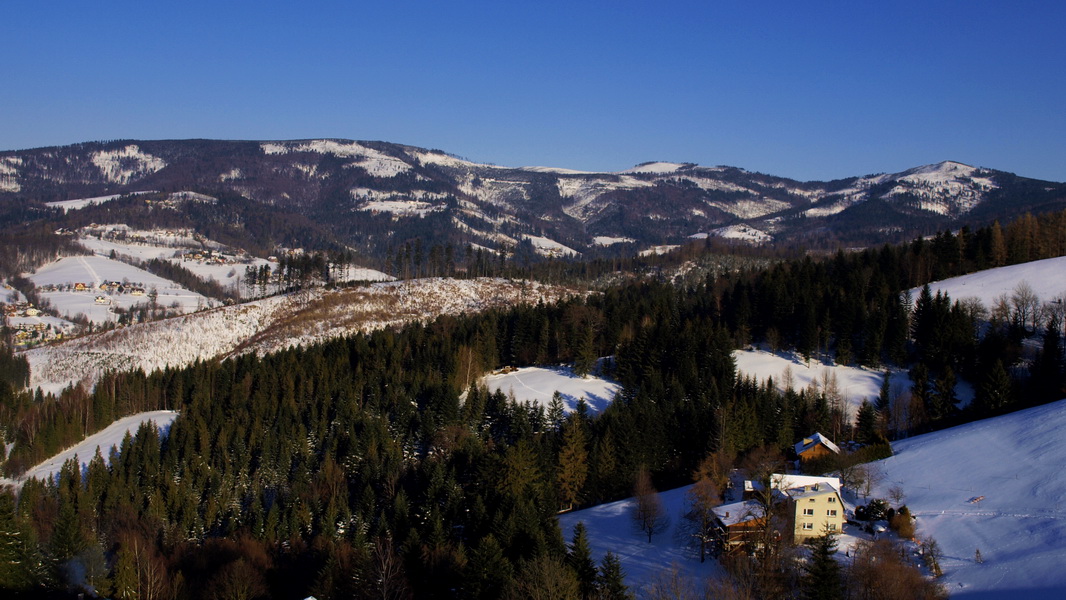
(812, 491)
(809, 442)
(788, 481)
(738, 512)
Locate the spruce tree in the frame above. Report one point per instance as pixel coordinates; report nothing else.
(866, 424)
(822, 579)
(573, 462)
(611, 580)
(580, 559)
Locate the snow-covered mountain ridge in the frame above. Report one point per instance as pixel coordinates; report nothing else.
(340, 184)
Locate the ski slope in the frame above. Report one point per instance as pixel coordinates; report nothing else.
(1016, 463)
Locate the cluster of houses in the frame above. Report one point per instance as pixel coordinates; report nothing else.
(31, 330)
(20, 309)
(804, 505)
(27, 333)
(209, 257)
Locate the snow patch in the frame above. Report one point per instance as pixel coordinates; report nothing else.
(374, 162)
(9, 174)
(656, 167)
(655, 250)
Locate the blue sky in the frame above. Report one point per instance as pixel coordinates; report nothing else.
(811, 92)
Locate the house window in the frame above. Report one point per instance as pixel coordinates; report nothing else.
(831, 513)
(832, 499)
(832, 527)
(808, 512)
(808, 526)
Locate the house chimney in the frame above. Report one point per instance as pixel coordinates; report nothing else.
(727, 514)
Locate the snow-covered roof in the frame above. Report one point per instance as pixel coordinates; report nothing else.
(811, 490)
(738, 512)
(788, 481)
(814, 440)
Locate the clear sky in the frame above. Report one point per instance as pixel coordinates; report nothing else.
(809, 90)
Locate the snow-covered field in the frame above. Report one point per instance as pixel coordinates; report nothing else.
(1015, 462)
(94, 270)
(539, 384)
(273, 324)
(611, 529)
(106, 438)
(1046, 277)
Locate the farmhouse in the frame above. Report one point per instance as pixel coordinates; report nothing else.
(814, 447)
(811, 505)
(817, 509)
(737, 526)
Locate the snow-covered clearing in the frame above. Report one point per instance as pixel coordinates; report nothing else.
(104, 439)
(539, 384)
(854, 383)
(80, 203)
(655, 250)
(736, 232)
(1046, 277)
(547, 247)
(606, 240)
(1015, 462)
(611, 529)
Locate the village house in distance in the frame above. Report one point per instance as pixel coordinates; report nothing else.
(815, 447)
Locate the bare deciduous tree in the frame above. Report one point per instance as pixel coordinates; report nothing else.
(648, 513)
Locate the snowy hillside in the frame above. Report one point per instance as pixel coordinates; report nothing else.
(104, 439)
(1014, 462)
(1046, 277)
(273, 324)
(539, 384)
(611, 529)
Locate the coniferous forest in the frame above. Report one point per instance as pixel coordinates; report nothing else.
(374, 466)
